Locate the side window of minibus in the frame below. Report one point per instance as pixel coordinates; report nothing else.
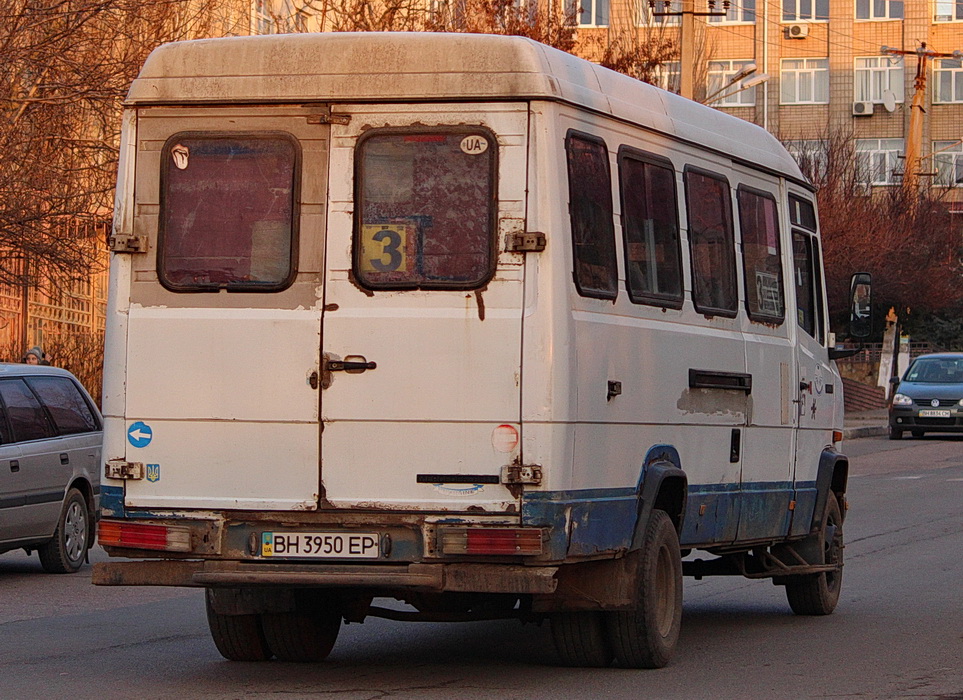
(650, 229)
(711, 245)
(807, 268)
(762, 262)
(591, 213)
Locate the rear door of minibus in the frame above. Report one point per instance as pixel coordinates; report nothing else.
(224, 318)
(423, 307)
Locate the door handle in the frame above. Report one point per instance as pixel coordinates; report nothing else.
(64, 458)
(352, 364)
(14, 465)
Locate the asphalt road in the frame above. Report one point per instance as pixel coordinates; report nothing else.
(897, 633)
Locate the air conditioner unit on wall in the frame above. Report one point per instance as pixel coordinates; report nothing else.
(797, 31)
(862, 109)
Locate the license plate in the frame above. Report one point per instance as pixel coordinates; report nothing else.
(934, 413)
(321, 545)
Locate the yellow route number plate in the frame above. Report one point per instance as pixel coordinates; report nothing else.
(321, 545)
(387, 248)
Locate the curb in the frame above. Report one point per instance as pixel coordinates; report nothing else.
(865, 431)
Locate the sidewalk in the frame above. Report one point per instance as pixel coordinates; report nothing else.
(857, 424)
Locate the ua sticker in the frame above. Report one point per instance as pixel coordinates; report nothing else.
(140, 434)
(153, 472)
(267, 544)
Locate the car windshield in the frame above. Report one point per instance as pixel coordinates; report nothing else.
(936, 371)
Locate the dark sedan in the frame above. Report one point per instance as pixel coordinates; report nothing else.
(929, 398)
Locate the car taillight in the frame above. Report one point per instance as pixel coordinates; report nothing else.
(114, 533)
(491, 540)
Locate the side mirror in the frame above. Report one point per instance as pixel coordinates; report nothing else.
(861, 298)
(894, 380)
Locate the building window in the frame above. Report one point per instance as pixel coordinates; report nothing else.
(948, 11)
(875, 75)
(948, 80)
(590, 211)
(879, 9)
(738, 12)
(668, 76)
(804, 81)
(645, 16)
(810, 155)
(590, 13)
(805, 10)
(877, 161)
(263, 21)
(949, 163)
(720, 75)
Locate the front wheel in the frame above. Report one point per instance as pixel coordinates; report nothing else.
(895, 434)
(646, 636)
(918, 434)
(66, 551)
(817, 594)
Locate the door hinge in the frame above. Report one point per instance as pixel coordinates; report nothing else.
(122, 243)
(522, 474)
(341, 119)
(530, 242)
(120, 469)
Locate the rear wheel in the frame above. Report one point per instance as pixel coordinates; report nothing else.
(301, 637)
(817, 594)
(895, 434)
(580, 639)
(646, 636)
(237, 637)
(66, 551)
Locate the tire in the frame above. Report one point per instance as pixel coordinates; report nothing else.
(818, 594)
(66, 551)
(646, 636)
(918, 434)
(895, 434)
(237, 637)
(301, 637)
(581, 640)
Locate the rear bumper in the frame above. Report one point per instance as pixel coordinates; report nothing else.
(465, 578)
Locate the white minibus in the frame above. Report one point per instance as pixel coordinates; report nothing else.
(466, 322)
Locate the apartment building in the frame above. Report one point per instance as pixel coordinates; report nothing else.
(829, 73)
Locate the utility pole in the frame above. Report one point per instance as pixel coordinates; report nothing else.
(914, 135)
(687, 37)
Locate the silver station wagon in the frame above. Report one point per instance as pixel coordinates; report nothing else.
(50, 435)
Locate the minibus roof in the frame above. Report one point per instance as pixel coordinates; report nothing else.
(433, 67)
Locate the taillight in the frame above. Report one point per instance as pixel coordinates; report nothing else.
(491, 540)
(114, 533)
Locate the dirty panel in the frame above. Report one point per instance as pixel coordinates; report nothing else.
(375, 464)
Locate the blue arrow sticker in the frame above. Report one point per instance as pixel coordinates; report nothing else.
(139, 434)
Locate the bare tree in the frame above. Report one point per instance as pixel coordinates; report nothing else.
(66, 67)
(905, 238)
